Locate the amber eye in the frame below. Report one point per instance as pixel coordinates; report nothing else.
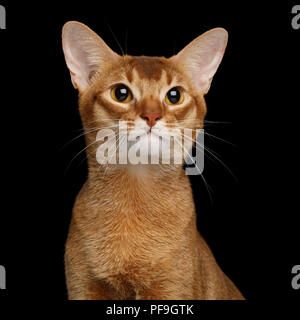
(174, 96)
(121, 93)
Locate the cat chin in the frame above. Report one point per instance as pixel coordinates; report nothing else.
(150, 145)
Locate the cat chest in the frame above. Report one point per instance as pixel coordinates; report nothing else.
(129, 247)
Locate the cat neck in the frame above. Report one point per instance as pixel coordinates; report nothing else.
(136, 189)
(139, 172)
(162, 193)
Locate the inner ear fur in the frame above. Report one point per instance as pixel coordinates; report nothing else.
(200, 59)
(84, 52)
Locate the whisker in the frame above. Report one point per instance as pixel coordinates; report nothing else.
(83, 134)
(213, 153)
(216, 137)
(204, 180)
(100, 127)
(209, 134)
(108, 119)
(185, 128)
(113, 153)
(82, 151)
(103, 127)
(117, 41)
(223, 122)
(201, 148)
(126, 40)
(201, 121)
(78, 155)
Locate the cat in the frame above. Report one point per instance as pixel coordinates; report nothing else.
(133, 231)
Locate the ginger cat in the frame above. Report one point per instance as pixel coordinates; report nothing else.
(133, 232)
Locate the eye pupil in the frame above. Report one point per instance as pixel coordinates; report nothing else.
(174, 95)
(121, 93)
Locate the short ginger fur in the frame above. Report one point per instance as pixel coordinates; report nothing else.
(133, 232)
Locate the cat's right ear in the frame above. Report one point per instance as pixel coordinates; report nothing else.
(84, 52)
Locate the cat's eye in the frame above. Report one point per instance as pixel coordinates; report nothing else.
(121, 93)
(174, 96)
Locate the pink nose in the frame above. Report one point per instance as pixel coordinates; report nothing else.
(151, 118)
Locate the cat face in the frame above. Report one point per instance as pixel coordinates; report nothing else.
(157, 98)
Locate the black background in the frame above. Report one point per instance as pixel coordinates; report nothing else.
(251, 225)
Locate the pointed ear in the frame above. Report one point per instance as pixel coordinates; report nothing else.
(84, 52)
(201, 58)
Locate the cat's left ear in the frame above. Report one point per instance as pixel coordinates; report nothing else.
(200, 59)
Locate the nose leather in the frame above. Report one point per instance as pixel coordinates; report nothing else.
(151, 118)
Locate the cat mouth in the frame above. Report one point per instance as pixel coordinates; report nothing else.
(155, 131)
(149, 133)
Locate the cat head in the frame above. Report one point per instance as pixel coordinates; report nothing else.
(151, 94)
